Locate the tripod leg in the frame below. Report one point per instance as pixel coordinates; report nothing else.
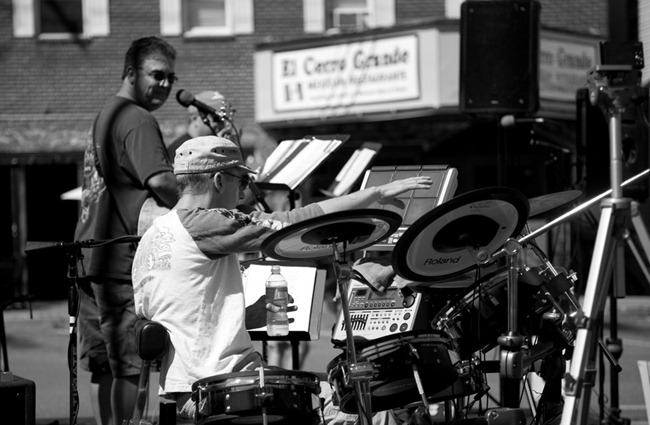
(583, 361)
(641, 238)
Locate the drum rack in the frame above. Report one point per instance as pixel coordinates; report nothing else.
(334, 236)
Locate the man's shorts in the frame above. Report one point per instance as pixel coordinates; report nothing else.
(106, 327)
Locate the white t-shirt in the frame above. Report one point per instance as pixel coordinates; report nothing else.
(186, 276)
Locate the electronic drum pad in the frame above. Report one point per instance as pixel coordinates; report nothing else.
(448, 240)
(315, 238)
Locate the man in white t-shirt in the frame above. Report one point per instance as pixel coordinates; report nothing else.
(186, 275)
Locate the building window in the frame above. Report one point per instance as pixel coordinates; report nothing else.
(347, 15)
(60, 17)
(206, 18)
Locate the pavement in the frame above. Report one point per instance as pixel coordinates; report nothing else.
(37, 350)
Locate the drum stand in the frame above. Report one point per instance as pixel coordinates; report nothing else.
(511, 342)
(360, 374)
(616, 85)
(514, 361)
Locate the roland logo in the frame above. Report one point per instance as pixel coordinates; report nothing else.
(441, 260)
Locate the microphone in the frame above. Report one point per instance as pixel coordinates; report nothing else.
(510, 121)
(186, 99)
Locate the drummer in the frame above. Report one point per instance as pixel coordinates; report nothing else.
(186, 275)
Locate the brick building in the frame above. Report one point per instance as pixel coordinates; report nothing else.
(60, 60)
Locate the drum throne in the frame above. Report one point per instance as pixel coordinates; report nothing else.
(152, 343)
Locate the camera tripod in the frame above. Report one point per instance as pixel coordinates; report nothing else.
(613, 87)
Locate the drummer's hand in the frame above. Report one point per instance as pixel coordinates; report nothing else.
(256, 312)
(274, 309)
(389, 191)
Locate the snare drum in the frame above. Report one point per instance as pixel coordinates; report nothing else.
(479, 316)
(289, 397)
(392, 358)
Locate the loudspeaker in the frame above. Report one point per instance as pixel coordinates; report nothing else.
(17, 398)
(592, 134)
(499, 56)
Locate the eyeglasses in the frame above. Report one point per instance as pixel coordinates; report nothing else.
(244, 180)
(161, 76)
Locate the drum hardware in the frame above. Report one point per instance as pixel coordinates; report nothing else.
(541, 205)
(559, 284)
(413, 354)
(511, 343)
(515, 361)
(333, 236)
(263, 397)
(460, 235)
(360, 373)
(74, 256)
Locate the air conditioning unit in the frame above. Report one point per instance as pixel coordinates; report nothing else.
(346, 18)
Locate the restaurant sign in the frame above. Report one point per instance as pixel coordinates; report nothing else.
(355, 73)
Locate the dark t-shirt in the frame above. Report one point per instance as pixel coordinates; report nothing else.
(130, 149)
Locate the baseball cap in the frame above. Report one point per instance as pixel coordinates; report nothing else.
(208, 154)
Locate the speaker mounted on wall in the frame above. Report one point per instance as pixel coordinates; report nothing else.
(499, 57)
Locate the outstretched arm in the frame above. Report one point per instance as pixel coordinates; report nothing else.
(384, 194)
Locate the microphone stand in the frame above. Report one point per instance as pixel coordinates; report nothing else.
(74, 256)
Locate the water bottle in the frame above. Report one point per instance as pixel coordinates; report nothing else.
(277, 324)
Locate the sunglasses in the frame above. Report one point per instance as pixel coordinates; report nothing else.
(244, 180)
(161, 76)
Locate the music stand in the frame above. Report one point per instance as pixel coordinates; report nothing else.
(73, 253)
(306, 284)
(293, 161)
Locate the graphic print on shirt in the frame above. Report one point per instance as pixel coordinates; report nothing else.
(93, 183)
(156, 255)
